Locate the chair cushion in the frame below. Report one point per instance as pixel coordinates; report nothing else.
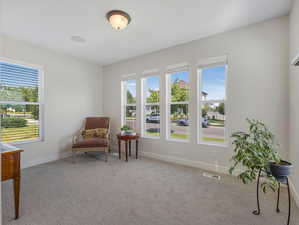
(98, 132)
(91, 133)
(91, 142)
(101, 132)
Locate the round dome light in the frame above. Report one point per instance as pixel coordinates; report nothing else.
(118, 19)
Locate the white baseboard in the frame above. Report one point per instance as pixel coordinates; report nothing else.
(294, 192)
(43, 160)
(187, 162)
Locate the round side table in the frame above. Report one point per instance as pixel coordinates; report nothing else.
(127, 139)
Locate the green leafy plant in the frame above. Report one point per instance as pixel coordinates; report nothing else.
(125, 128)
(254, 150)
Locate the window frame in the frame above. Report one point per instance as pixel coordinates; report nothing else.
(144, 104)
(176, 69)
(221, 61)
(124, 100)
(40, 101)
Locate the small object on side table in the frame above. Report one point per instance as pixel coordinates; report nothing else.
(127, 138)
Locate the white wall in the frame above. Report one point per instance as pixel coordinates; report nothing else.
(1, 48)
(257, 87)
(0, 154)
(294, 95)
(73, 90)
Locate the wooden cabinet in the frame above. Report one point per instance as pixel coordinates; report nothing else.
(11, 169)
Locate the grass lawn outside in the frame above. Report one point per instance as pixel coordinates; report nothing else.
(179, 136)
(216, 123)
(31, 131)
(130, 118)
(156, 134)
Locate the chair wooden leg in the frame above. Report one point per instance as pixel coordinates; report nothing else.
(73, 157)
(106, 155)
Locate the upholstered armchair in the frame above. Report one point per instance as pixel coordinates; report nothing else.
(89, 140)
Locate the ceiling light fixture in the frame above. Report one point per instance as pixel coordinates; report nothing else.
(118, 19)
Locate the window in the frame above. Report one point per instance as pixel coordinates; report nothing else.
(129, 103)
(178, 120)
(20, 103)
(212, 98)
(151, 106)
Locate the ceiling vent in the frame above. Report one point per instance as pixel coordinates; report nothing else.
(295, 61)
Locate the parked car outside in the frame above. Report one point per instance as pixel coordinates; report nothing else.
(204, 122)
(154, 118)
(183, 122)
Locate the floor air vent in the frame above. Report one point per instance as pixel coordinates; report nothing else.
(211, 175)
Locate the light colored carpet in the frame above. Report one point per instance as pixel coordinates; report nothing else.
(140, 192)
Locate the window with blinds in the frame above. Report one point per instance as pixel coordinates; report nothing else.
(20, 103)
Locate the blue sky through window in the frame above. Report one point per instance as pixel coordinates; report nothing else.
(213, 82)
(131, 87)
(179, 76)
(152, 83)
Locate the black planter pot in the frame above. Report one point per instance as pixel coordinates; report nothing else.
(280, 170)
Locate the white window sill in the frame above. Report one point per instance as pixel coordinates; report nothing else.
(222, 145)
(151, 137)
(178, 140)
(25, 141)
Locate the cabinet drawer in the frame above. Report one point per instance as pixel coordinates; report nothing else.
(8, 162)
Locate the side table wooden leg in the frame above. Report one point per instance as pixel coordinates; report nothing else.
(119, 149)
(136, 148)
(127, 151)
(130, 148)
(16, 183)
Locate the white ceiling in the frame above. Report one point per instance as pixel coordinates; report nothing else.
(156, 24)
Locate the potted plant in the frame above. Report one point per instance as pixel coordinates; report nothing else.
(256, 150)
(281, 169)
(126, 130)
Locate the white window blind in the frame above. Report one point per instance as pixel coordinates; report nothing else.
(20, 103)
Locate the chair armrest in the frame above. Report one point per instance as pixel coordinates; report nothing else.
(77, 136)
(108, 136)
